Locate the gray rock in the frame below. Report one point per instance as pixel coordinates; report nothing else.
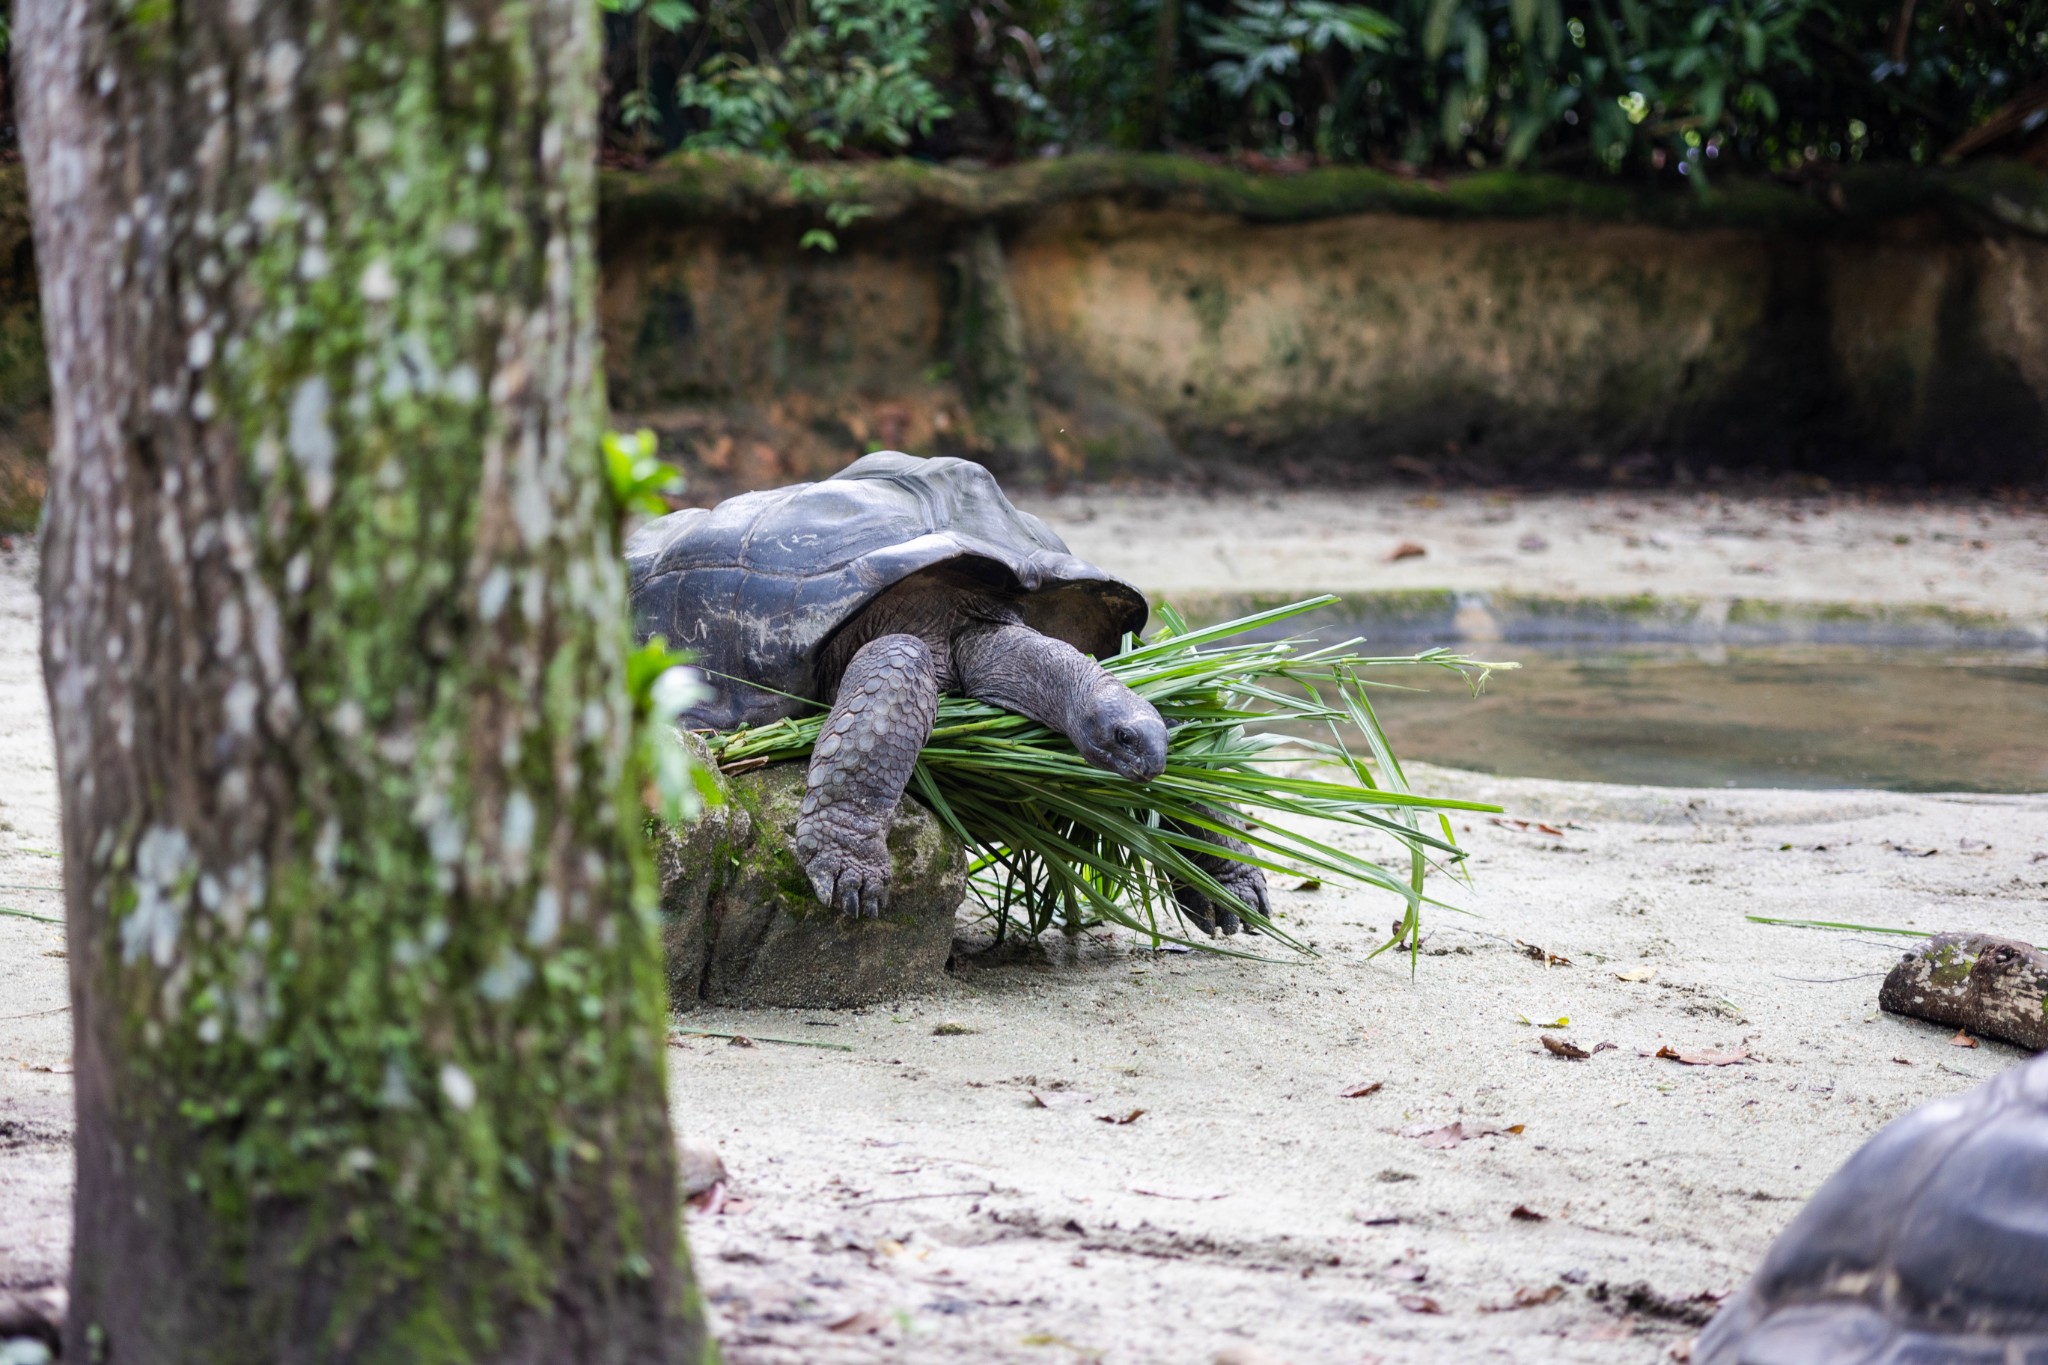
(742, 926)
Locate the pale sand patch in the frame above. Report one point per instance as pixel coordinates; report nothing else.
(1042, 1248)
(1963, 555)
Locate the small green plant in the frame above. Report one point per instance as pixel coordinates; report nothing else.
(638, 477)
(659, 681)
(1058, 842)
(663, 686)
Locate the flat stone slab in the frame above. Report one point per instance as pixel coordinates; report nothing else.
(742, 926)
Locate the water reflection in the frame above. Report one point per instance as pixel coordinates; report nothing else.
(1788, 716)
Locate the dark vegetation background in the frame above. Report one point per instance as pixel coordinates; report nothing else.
(1643, 110)
(1652, 90)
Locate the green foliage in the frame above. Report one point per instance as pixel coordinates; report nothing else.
(1057, 841)
(658, 679)
(849, 76)
(663, 686)
(1263, 41)
(638, 478)
(1655, 87)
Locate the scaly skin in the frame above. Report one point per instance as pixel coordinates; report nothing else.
(1242, 880)
(935, 639)
(888, 698)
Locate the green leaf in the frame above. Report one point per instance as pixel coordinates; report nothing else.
(1436, 28)
(817, 239)
(1762, 100)
(1708, 105)
(1477, 53)
(638, 479)
(671, 15)
(1522, 18)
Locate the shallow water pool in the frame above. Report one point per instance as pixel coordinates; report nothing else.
(1814, 717)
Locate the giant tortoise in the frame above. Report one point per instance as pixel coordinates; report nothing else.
(873, 591)
(1929, 1247)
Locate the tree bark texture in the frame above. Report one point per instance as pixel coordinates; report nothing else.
(369, 1052)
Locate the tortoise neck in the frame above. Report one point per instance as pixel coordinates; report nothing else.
(1018, 669)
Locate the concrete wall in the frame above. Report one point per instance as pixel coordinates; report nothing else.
(1340, 324)
(1908, 344)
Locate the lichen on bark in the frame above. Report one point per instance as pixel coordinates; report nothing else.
(369, 1037)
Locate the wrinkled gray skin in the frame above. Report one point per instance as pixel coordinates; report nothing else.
(891, 663)
(875, 590)
(1928, 1247)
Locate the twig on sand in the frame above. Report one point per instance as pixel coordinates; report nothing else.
(941, 1194)
(758, 1038)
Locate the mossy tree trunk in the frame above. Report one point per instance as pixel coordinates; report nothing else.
(368, 1001)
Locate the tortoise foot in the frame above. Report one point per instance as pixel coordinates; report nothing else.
(852, 879)
(1213, 917)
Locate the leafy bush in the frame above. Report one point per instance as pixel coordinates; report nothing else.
(1652, 87)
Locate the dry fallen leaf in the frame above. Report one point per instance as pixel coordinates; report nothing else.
(1543, 955)
(1902, 1061)
(1524, 826)
(1565, 1048)
(1060, 1099)
(1407, 549)
(1309, 884)
(1419, 1303)
(862, 1323)
(951, 1031)
(1962, 1039)
(1562, 1021)
(1121, 1119)
(1524, 1213)
(1377, 1218)
(1638, 974)
(1361, 1090)
(1526, 1298)
(1669, 1053)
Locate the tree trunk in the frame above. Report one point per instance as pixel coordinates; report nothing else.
(367, 990)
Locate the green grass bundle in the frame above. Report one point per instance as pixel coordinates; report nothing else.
(1055, 840)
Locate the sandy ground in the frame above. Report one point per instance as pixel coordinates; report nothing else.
(1106, 1154)
(1987, 557)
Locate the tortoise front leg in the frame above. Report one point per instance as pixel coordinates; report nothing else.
(1242, 880)
(888, 699)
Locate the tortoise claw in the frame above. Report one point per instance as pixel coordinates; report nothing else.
(853, 884)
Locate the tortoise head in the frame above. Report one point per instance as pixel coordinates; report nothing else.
(1122, 732)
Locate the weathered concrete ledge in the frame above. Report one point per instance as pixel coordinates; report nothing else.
(1444, 617)
(741, 925)
(702, 186)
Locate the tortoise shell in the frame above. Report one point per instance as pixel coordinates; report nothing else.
(1929, 1246)
(756, 586)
